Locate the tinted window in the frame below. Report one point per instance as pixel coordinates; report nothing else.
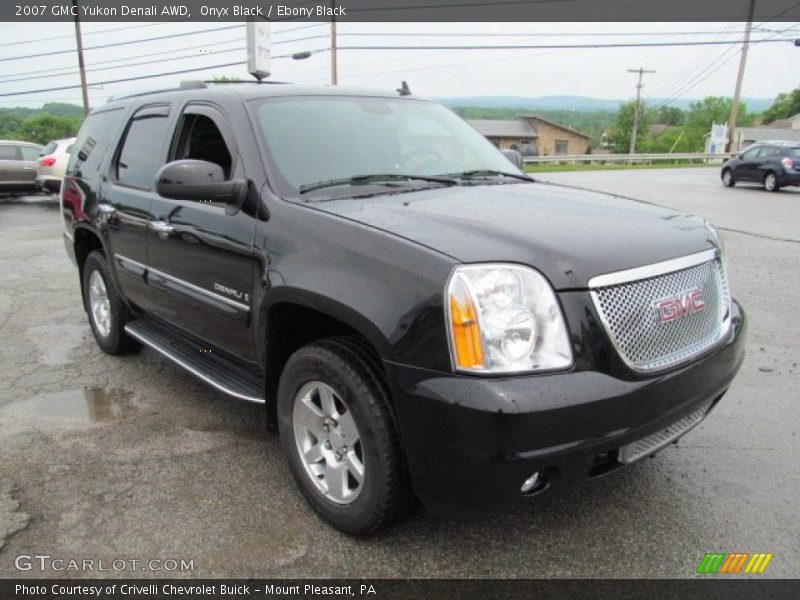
(30, 152)
(92, 142)
(311, 139)
(50, 148)
(8, 153)
(199, 138)
(140, 157)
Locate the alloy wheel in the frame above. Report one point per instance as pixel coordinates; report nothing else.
(328, 442)
(99, 304)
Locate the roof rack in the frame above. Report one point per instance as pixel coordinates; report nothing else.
(254, 81)
(190, 84)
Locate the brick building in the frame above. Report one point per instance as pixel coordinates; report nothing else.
(549, 139)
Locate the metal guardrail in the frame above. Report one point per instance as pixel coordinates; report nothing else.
(621, 158)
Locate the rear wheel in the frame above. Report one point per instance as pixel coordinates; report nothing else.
(728, 180)
(771, 182)
(105, 307)
(339, 438)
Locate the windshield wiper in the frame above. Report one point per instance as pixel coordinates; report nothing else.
(379, 178)
(487, 173)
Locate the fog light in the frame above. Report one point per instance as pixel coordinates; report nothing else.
(530, 483)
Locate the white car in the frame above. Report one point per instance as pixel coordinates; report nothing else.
(52, 164)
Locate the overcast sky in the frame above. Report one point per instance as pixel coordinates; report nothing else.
(687, 72)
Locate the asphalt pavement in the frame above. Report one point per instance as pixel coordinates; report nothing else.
(131, 458)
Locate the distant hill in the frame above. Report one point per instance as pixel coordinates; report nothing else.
(575, 103)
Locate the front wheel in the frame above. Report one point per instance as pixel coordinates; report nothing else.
(105, 307)
(339, 438)
(728, 179)
(771, 182)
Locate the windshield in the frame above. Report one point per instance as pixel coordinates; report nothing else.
(316, 139)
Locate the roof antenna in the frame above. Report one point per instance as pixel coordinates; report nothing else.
(404, 90)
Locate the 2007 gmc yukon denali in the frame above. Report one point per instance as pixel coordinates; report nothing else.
(419, 317)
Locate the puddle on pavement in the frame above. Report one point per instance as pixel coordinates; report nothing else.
(74, 407)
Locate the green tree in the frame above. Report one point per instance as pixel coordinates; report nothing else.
(668, 115)
(786, 105)
(671, 140)
(226, 79)
(622, 128)
(709, 110)
(45, 127)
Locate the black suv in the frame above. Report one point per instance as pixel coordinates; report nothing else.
(420, 318)
(772, 164)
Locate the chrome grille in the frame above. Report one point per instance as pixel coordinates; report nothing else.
(659, 439)
(630, 314)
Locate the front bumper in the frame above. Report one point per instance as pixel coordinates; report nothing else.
(471, 442)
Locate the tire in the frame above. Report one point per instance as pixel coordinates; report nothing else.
(108, 324)
(728, 178)
(771, 182)
(343, 369)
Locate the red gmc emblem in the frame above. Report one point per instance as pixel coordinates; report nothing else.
(677, 307)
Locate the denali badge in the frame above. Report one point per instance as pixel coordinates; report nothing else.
(232, 292)
(677, 307)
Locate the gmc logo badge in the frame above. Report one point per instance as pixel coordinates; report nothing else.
(677, 307)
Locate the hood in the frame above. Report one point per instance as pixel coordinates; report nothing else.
(568, 234)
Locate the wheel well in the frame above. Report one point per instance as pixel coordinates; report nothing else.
(85, 242)
(289, 328)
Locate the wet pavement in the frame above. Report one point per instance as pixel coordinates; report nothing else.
(130, 457)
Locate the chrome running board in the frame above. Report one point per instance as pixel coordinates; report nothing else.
(215, 370)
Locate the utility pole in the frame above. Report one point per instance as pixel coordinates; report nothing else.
(334, 69)
(740, 77)
(637, 110)
(81, 65)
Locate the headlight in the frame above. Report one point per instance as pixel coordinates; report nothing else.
(504, 318)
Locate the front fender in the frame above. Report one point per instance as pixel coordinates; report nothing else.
(386, 288)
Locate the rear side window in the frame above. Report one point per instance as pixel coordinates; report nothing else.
(50, 148)
(8, 152)
(92, 142)
(30, 152)
(139, 158)
(794, 152)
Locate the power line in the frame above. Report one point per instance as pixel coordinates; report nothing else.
(567, 46)
(61, 37)
(112, 45)
(539, 34)
(67, 70)
(692, 67)
(705, 74)
(70, 70)
(41, 74)
(137, 78)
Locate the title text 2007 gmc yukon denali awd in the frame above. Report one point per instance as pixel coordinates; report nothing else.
(419, 317)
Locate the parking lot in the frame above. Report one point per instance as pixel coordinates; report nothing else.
(132, 458)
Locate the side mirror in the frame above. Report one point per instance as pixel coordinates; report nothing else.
(198, 180)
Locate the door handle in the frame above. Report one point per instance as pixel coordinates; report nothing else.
(161, 227)
(29, 168)
(106, 209)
